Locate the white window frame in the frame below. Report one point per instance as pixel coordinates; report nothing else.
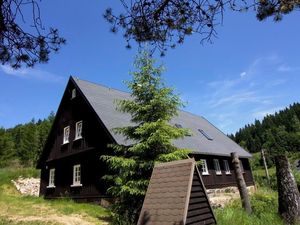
(78, 135)
(76, 176)
(242, 166)
(73, 95)
(226, 166)
(217, 167)
(204, 167)
(66, 137)
(51, 183)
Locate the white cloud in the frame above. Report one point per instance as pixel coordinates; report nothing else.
(285, 68)
(260, 114)
(243, 74)
(30, 73)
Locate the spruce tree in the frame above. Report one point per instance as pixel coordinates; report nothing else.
(151, 107)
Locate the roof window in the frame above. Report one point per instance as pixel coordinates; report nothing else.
(205, 134)
(178, 125)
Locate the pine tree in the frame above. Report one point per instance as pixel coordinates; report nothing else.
(151, 108)
(6, 147)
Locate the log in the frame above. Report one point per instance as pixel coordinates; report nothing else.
(241, 183)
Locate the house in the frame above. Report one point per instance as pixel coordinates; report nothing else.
(70, 162)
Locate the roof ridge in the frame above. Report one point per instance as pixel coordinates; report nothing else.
(98, 84)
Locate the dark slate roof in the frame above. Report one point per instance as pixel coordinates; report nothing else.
(169, 195)
(102, 99)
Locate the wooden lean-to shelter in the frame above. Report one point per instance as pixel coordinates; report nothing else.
(176, 196)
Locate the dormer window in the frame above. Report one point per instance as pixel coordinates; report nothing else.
(73, 93)
(66, 135)
(78, 131)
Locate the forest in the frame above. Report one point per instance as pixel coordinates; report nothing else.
(282, 128)
(22, 144)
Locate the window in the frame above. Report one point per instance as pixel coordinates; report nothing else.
(78, 133)
(73, 93)
(226, 167)
(242, 167)
(76, 176)
(204, 167)
(205, 134)
(217, 167)
(51, 178)
(178, 125)
(66, 134)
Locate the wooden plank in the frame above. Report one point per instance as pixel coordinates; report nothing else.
(199, 218)
(197, 206)
(196, 188)
(205, 222)
(197, 194)
(198, 212)
(197, 200)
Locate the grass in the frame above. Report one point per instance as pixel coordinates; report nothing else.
(16, 209)
(264, 206)
(24, 210)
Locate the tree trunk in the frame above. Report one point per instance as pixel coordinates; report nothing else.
(241, 183)
(265, 165)
(288, 193)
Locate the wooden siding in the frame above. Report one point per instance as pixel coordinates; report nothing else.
(85, 151)
(199, 211)
(224, 180)
(92, 169)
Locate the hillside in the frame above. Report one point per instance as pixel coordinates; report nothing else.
(284, 124)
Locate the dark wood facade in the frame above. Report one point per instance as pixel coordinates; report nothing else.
(87, 151)
(213, 180)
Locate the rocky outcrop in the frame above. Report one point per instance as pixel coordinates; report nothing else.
(27, 186)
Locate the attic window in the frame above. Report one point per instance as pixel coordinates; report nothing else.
(73, 93)
(205, 134)
(66, 135)
(178, 125)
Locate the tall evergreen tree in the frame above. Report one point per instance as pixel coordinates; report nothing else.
(151, 108)
(6, 147)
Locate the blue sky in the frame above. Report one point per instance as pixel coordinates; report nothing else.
(250, 70)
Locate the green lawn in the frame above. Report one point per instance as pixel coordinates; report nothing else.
(17, 209)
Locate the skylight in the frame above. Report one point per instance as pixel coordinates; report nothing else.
(205, 134)
(178, 125)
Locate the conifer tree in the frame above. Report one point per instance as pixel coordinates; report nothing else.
(151, 107)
